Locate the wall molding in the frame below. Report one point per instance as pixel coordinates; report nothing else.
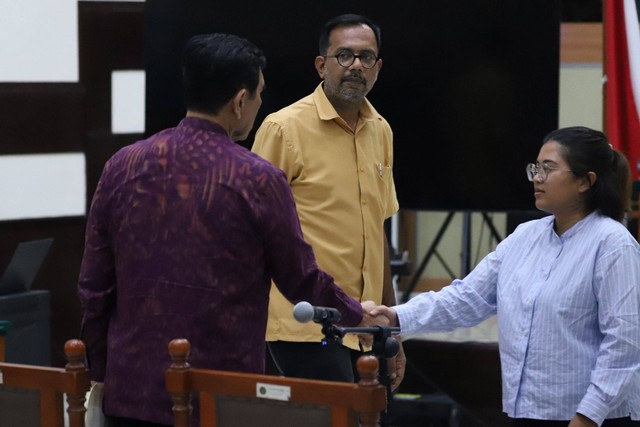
(581, 43)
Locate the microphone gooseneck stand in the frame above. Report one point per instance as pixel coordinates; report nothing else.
(384, 347)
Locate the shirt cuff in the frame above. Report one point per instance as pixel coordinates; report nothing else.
(593, 408)
(97, 366)
(352, 316)
(404, 318)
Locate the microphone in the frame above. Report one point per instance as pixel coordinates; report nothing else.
(305, 312)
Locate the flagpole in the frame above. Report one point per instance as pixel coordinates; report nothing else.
(605, 76)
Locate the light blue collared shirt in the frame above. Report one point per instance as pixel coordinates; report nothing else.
(568, 310)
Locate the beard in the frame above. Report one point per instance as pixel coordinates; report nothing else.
(352, 89)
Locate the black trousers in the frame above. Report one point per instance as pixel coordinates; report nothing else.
(332, 362)
(615, 422)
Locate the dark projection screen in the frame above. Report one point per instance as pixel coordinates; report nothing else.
(470, 87)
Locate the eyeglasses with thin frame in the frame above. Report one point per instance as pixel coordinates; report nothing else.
(346, 58)
(543, 170)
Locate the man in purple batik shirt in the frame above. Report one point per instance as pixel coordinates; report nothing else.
(185, 232)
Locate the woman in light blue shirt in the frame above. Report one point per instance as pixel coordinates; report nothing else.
(566, 291)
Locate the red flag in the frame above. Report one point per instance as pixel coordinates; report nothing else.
(622, 71)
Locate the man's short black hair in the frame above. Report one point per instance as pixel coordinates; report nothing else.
(215, 67)
(347, 20)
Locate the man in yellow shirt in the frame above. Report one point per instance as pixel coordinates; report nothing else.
(337, 152)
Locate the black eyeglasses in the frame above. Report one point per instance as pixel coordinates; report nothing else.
(346, 58)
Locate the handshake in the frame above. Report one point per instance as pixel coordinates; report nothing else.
(381, 315)
(378, 315)
(372, 315)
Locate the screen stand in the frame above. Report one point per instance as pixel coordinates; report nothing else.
(465, 252)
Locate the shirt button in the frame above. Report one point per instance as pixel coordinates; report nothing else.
(361, 169)
(364, 201)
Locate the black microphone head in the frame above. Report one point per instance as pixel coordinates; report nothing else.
(303, 312)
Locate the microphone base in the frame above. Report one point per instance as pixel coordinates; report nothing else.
(332, 334)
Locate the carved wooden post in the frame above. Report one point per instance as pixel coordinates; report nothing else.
(75, 351)
(368, 369)
(176, 377)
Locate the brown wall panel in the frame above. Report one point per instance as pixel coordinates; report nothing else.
(110, 38)
(63, 117)
(40, 117)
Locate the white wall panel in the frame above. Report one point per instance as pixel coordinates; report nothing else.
(42, 186)
(127, 101)
(38, 40)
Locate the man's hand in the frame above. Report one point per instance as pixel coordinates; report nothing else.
(396, 367)
(376, 316)
(366, 340)
(384, 316)
(367, 306)
(388, 313)
(368, 319)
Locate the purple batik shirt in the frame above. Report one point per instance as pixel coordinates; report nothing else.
(185, 232)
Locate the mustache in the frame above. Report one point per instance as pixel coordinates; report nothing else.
(357, 78)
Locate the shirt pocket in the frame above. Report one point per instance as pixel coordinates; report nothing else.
(383, 183)
(384, 173)
(573, 299)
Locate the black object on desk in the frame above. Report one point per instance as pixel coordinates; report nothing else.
(24, 266)
(28, 341)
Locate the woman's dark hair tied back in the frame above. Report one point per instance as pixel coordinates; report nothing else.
(588, 150)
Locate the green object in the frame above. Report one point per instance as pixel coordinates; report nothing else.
(5, 325)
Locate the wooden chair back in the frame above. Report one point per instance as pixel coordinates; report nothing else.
(33, 395)
(240, 400)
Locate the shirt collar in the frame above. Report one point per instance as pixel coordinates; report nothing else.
(202, 124)
(327, 112)
(575, 229)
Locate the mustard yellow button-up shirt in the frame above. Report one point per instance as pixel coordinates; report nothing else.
(343, 186)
